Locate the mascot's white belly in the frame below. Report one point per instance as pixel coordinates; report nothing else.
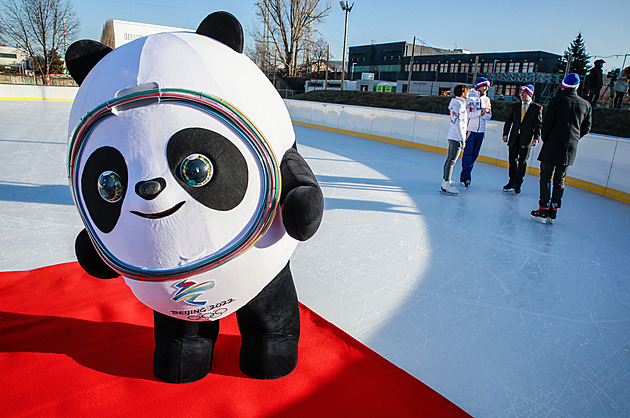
(174, 147)
(217, 293)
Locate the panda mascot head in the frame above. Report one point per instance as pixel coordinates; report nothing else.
(177, 151)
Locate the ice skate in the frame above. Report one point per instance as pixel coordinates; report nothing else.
(466, 183)
(541, 215)
(448, 188)
(508, 187)
(517, 189)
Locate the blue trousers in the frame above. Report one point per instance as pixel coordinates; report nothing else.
(471, 152)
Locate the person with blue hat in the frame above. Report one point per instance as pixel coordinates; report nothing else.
(479, 111)
(523, 124)
(567, 119)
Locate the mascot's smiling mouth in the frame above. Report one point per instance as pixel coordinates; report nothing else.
(160, 214)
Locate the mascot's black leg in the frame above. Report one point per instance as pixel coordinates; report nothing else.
(270, 329)
(183, 349)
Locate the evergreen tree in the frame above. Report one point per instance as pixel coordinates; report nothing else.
(579, 58)
(55, 63)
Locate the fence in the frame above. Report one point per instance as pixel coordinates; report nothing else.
(25, 79)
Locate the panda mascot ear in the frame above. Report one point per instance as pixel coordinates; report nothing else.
(82, 56)
(225, 28)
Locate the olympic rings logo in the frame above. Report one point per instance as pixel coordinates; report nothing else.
(207, 316)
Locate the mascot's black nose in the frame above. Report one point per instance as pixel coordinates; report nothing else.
(151, 188)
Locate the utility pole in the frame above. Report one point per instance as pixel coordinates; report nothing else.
(413, 48)
(65, 46)
(327, 67)
(347, 8)
(265, 61)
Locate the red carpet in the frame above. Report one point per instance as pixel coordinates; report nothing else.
(72, 345)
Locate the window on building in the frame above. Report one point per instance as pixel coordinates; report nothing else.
(407, 67)
(499, 89)
(487, 67)
(528, 67)
(433, 67)
(454, 67)
(475, 68)
(3, 55)
(514, 67)
(510, 90)
(416, 67)
(464, 67)
(424, 67)
(443, 68)
(500, 67)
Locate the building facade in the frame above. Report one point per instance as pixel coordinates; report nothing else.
(13, 60)
(506, 70)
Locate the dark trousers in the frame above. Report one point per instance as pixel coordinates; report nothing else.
(559, 172)
(517, 158)
(471, 152)
(593, 95)
(618, 99)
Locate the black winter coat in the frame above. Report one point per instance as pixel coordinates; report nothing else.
(567, 119)
(530, 127)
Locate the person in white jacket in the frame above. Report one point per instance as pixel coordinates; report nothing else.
(479, 111)
(456, 135)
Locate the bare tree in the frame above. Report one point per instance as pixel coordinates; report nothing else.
(288, 22)
(262, 52)
(320, 49)
(39, 26)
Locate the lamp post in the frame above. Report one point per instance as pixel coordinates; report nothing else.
(347, 8)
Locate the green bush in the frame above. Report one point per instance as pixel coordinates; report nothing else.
(614, 122)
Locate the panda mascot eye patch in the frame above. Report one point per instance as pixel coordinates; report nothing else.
(103, 185)
(209, 167)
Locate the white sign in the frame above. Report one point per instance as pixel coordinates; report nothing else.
(125, 32)
(367, 76)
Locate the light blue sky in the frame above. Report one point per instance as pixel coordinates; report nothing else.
(491, 26)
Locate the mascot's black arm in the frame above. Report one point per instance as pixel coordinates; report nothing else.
(302, 199)
(89, 259)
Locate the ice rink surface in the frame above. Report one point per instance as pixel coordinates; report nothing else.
(500, 314)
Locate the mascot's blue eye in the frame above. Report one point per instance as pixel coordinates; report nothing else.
(196, 170)
(110, 187)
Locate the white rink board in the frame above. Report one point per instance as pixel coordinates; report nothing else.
(23, 92)
(596, 160)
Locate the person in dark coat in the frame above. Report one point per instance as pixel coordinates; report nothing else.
(594, 82)
(523, 124)
(567, 119)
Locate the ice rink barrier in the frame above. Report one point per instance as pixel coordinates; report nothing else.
(25, 92)
(602, 164)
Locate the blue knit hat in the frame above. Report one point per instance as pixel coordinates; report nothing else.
(571, 81)
(529, 89)
(481, 81)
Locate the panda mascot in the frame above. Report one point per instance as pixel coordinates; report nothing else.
(184, 169)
